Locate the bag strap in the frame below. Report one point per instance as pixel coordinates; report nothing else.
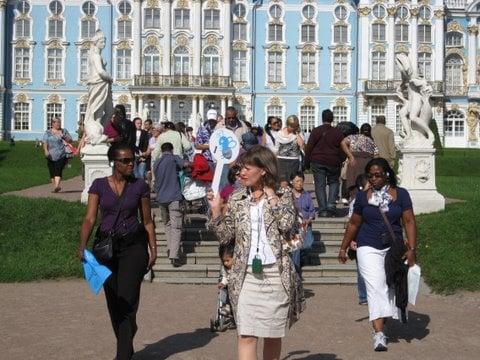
(389, 226)
(120, 204)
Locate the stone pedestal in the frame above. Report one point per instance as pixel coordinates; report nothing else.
(96, 165)
(416, 173)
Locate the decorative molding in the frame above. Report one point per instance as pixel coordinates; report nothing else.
(454, 26)
(22, 44)
(123, 82)
(152, 40)
(364, 11)
(3, 4)
(340, 101)
(83, 99)
(391, 11)
(455, 51)
(123, 99)
(182, 4)
(240, 85)
(54, 44)
(455, 107)
(309, 49)
(181, 40)
(340, 86)
(22, 81)
(239, 45)
(275, 101)
(54, 99)
(308, 101)
(212, 40)
(341, 48)
(402, 48)
(54, 82)
(425, 49)
(211, 4)
(124, 45)
(472, 29)
(414, 11)
(472, 120)
(152, 3)
(379, 48)
(275, 85)
(21, 97)
(439, 14)
(309, 86)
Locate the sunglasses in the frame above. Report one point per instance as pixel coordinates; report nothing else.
(126, 161)
(231, 118)
(376, 175)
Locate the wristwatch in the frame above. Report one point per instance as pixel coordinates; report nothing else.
(412, 248)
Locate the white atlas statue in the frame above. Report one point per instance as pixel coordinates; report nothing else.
(416, 112)
(100, 105)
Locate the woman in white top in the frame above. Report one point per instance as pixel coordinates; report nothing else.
(290, 145)
(273, 126)
(265, 290)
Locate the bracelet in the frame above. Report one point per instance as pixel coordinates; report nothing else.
(412, 248)
(341, 250)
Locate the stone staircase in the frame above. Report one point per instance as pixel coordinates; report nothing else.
(202, 264)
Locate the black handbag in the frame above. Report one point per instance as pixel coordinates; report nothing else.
(103, 244)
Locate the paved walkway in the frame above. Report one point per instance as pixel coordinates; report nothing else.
(71, 190)
(63, 320)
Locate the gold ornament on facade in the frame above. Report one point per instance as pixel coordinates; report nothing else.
(391, 11)
(439, 14)
(124, 45)
(86, 45)
(380, 48)
(21, 98)
(309, 86)
(309, 49)
(275, 85)
(152, 40)
(22, 44)
(338, 1)
(22, 81)
(402, 48)
(455, 51)
(465, 71)
(275, 101)
(455, 26)
(83, 99)
(55, 82)
(239, 45)
(54, 99)
(54, 44)
(123, 82)
(425, 49)
(472, 29)
(414, 11)
(342, 48)
(22, 17)
(308, 101)
(364, 11)
(340, 87)
(341, 22)
(181, 40)
(152, 3)
(212, 4)
(239, 84)
(472, 120)
(240, 100)
(123, 99)
(340, 102)
(212, 40)
(3, 3)
(276, 47)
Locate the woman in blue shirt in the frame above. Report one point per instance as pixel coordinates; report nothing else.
(368, 227)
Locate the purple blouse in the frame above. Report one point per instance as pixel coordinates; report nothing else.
(108, 201)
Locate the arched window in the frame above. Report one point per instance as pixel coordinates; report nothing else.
(181, 61)
(211, 62)
(454, 38)
(454, 75)
(151, 60)
(88, 8)
(454, 123)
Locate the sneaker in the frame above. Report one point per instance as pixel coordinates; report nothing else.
(379, 341)
(362, 302)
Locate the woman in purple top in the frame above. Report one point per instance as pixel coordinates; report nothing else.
(134, 241)
(368, 227)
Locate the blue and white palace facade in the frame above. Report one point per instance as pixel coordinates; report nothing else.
(175, 59)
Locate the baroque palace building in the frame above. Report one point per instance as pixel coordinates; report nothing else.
(175, 59)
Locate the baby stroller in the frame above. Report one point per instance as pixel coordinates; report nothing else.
(223, 319)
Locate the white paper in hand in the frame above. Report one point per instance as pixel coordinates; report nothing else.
(414, 273)
(224, 147)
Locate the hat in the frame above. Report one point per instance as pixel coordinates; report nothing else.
(212, 114)
(249, 140)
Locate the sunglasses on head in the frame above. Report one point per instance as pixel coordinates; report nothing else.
(125, 161)
(376, 175)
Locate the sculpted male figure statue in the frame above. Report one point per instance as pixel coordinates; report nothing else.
(100, 105)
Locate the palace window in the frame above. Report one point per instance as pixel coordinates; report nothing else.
(21, 116)
(402, 12)
(239, 65)
(378, 32)
(454, 75)
(425, 33)
(275, 11)
(53, 111)
(239, 11)
(376, 110)
(88, 8)
(339, 114)
(274, 67)
(401, 32)
(307, 118)
(151, 61)
(88, 28)
(124, 64)
(308, 33)
(398, 121)
(239, 31)
(55, 28)
(308, 12)
(82, 110)
(212, 19)
(152, 18)
(379, 11)
(378, 65)
(275, 32)
(425, 65)
(125, 8)
(454, 124)
(340, 34)
(340, 68)
(425, 13)
(22, 28)
(211, 62)
(182, 18)
(341, 12)
(454, 38)
(22, 63)
(54, 64)
(83, 64)
(275, 110)
(124, 29)
(181, 61)
(308, 68)
(55, 7)
(23, 7)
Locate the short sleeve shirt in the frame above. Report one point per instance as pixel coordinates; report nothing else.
(108, 201)
(373, 224)
(56, 147)
(203, 137)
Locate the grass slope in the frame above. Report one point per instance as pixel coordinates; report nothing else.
(23, 166)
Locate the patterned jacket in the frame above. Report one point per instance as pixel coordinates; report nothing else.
(236, 226)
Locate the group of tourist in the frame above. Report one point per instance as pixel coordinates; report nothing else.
(262, 212)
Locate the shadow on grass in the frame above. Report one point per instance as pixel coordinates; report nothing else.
(415, 328)
(304, 355)
(3, 154)
(175, 344)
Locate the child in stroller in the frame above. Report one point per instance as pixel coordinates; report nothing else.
(223, 319)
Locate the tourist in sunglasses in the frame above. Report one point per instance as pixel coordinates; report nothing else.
(376, 224)
(269, 139)
(120, 198)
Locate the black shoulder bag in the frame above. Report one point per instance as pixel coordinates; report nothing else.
(103, 243)
(388, 238)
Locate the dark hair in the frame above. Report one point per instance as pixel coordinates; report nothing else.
(299, 174)
(327, 116)
(249, 124)
(232, 173)
(166, 147)
(226, 249)
(116, 148)
(382, 163)
(136, 118)
(149, 121)
(169, 125)
(232, 108)
(366, 130)
(189, 128)
(180, 126)
(380, 119)
(120, 109)
(265, 159)
(212, 123)
(361, 181)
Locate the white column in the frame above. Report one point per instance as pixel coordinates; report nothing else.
(223, 106)
(414, 41)
(162, 107)
(3, 4)
(194, 109)
(133, 106)
(201, 107)
(137, 36)
(472, 50)
(167, 34)
(227, 28)
(391, 44)
(169, 107)
(197, 33)
(229, 101)
(439, 47)
(364, 44)
(140, 106)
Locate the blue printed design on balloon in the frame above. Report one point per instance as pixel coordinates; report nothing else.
(227, 144)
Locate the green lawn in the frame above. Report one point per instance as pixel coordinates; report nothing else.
(23, 166)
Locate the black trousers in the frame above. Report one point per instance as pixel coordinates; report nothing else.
(122, 290)
(55, 168)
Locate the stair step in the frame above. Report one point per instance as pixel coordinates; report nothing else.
(308, 281)
(345, 280)
(329, 270)
(188, 270)
(185, 280)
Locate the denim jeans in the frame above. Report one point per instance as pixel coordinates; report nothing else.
(362, 289)
(324, 175)
(140, 169)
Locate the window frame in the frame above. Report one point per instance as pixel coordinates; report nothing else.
(123, 68)
(239, 64)
(21, 63)
(211, 19)
(277, 64)
(277, 32)
(308, 69)
(52, 113)
(150, 19)
(340, 62)
(22, 113)
(55, 65)
(184, 18)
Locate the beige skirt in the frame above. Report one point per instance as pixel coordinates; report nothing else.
(263, 304)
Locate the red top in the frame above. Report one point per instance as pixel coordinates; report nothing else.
(200, 169)
(110, 131)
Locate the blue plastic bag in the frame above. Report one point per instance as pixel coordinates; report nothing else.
(95, 274)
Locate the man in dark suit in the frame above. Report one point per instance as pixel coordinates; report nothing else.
(140, 149)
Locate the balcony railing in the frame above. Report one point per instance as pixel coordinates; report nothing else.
(385, 86)
(455, 4)
(455, 90)
(190, 81)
